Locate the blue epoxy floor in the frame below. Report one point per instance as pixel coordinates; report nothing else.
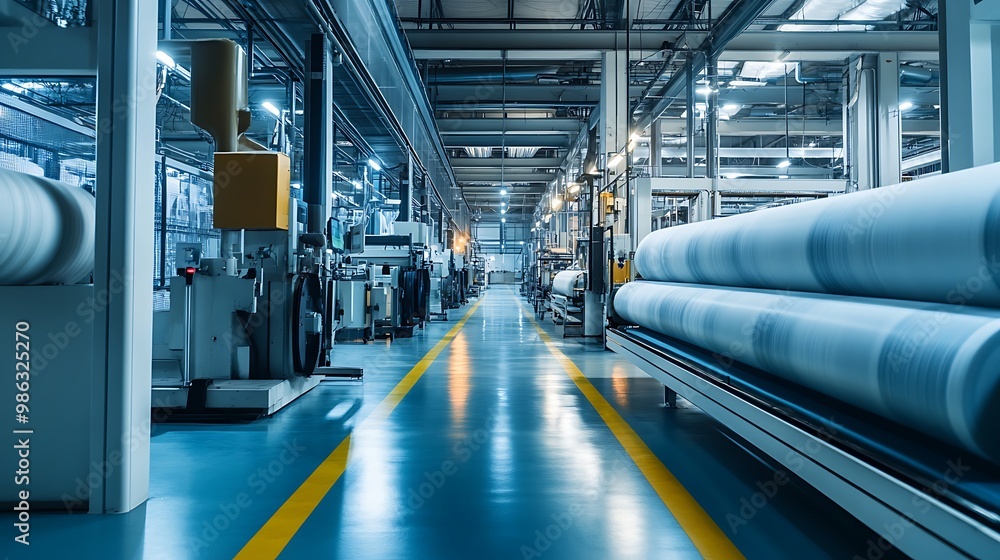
(523, 450)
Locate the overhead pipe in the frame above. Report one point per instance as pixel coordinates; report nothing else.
(478, 75)
(735, 20)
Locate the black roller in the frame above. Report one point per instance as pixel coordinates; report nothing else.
(308, 300)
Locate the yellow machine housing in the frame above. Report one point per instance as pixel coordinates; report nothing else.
(252, 190)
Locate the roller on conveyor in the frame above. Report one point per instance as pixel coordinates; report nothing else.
(567, 282)
(46, 231)
(833, 336)
(934, 239)
(932, 369)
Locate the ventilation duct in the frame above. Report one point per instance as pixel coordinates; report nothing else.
(522, 152)
(479, 152)
(843, 10)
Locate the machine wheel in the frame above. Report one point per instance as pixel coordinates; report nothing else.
(307, 345)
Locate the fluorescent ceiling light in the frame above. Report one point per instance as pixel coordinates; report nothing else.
(615, 160)
(165, 59)
(270, 108)
(905, 106)
(374, 165)
(521, 242)
(783, 165)
(746, 83)
(299, 112)
(754, 70)
(731, 107)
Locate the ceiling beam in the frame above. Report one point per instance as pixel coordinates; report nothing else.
(463, 140)
(508, 163)
(493, 176)
(511, 126)
(555, 45)
(812, 127)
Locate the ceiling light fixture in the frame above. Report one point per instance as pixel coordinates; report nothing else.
(905, 106)
(615, 160)
(165, 59)
(784, 164)
(374, 165)
(270, 108)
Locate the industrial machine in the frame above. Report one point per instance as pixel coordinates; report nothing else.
(400, 262)
(567, 301)
(549, 263)
(848, 341)
(47, 247)
(248, 330)
(441, 284)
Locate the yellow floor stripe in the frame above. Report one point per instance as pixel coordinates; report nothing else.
(275, 535)
(706, 535)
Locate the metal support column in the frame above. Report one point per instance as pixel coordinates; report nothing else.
(614, 103)
(970, 84)
(168, 16)
(874, 121)
(656, 148)
(318, 116)
(406, 192)
(712, 120)
(123, 272)
(890, 136)
(689, 118)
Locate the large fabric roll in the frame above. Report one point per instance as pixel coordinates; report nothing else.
(934, 239)
(47, 231)
(934, 368)
(567, 281)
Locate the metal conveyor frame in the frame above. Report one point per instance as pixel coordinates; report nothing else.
(911, 519)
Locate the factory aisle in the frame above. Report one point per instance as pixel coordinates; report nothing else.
(471, 440)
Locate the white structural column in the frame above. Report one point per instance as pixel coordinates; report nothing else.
(614, 135)
(614, 103)
(123, 276)
(875, 129)
(970, 83)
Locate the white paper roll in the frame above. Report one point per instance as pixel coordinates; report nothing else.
(566, 281)
(934, 239)
(934, 368)
(47, 231)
